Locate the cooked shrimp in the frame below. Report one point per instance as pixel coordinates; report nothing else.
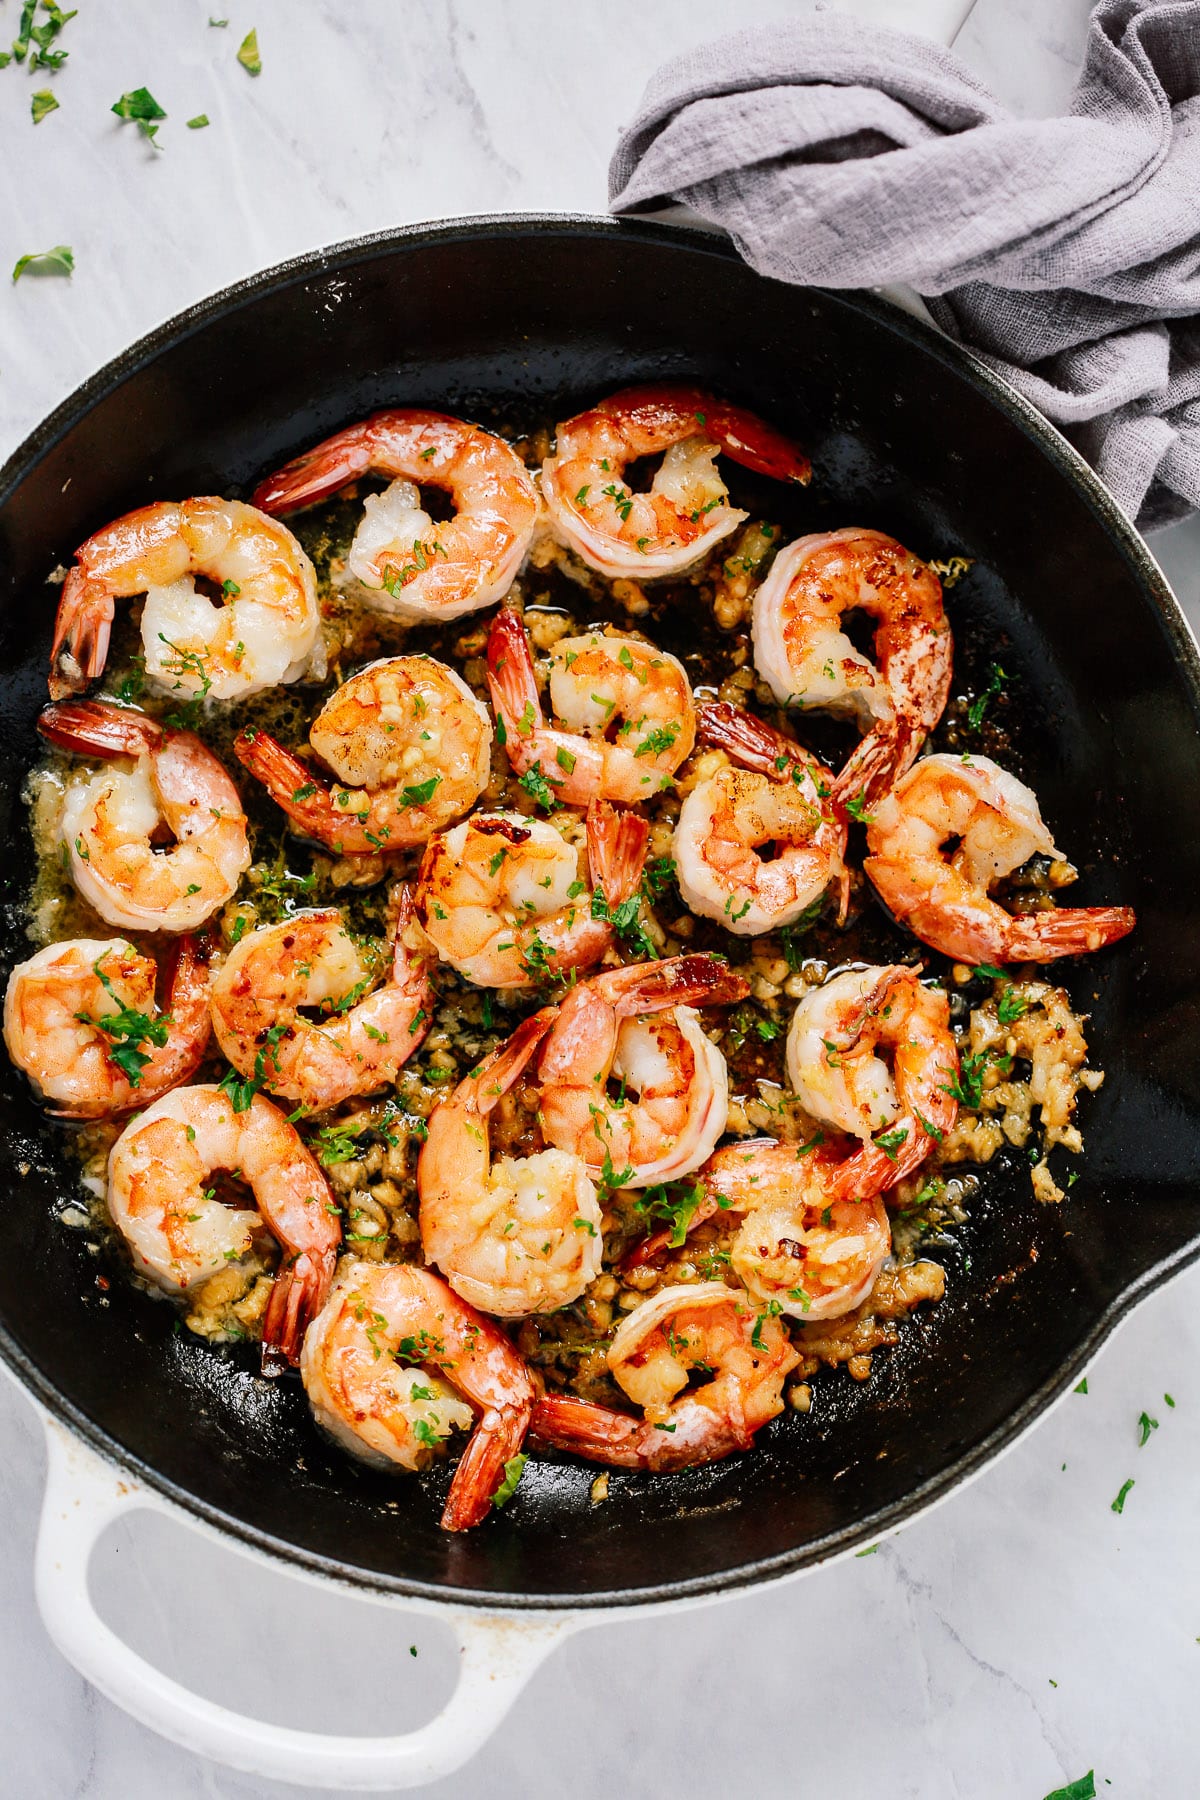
(80, 1019)
(624, 710)
(109, 820)
(384, 1364)
(410, 745)
(620, 532)
(635, 1026)
(521, 1235)
(311, 960)
(993, 823)
(835, 1069)
(777, 801)
(180, 1234)
(503, 901)
(702, 1328)
(801, 651)
(260, 630)
(406, 564)
(805, 1246)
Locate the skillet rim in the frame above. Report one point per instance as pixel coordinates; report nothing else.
(330, 260)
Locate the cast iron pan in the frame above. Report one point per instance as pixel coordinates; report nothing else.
(518, 320)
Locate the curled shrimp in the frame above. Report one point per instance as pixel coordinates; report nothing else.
(260, 630)
(411, 748)
(776, 801)
(180, 1234)
(109, 821)
(310, 960)
(620, 532)
(518, 1236)
(835, 1069)
(801, 651)
(951, 827)
(624, 712)
(80, 1019)
(395, 1362)
(503, 900)
(635, 1026)
(702, 1328)
(404, 562)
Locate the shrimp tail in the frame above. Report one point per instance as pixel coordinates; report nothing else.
(879, 761)
(287, 778)
(1071, 931)
(512, 684)
(749, 740)
(502, 1068)
(616, 847)
(586, 1429)
(319, 472)
(94, 728)
(299, 1292)
(81, 632)
(496, 1439)
(742, 435)
(680, 981)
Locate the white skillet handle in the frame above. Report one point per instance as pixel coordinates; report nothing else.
(497, 1657)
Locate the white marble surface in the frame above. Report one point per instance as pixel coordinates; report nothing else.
(1017, 1637)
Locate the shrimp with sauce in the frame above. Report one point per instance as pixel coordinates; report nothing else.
(515, 1236)
(802, 1248)
(836, 1071)
(950, 828)
(635, 1026)
(777, 800)
(310, 960)
(261, 629)
(410, 746)
(179, 1233)
(622, 532)
(805, 657)
(395, 1362)
(403, 562)
(109, 821)
(624, 714)
(80, 1019)
(502, 898)
(702, 1328)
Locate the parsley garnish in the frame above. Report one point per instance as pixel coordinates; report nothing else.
(128, 1030)
(673, 1202)
(1118, 1504)
(143, 110)
(41, 103)
(890, 1141)
(59, 261)
(979, 706)
(248, 54)
(538, 787)
(421, 794)
(514, 1468)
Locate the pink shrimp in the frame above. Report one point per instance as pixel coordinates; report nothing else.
(702, 1328)
(993, 822)
(776, 800)
(404, 562)
(502, 899)
(621, 532)
(396, 1361)
(636, 1025)
(624, 712)
(802, 652)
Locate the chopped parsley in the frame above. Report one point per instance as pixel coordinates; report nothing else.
(1145, 1426)
(128, 1030)
(1082, 1789)
(538, 787)
(41, 103)
(142, 109)
(625, 922)
(1118, 1505)
(514, 1468)
(675, 1204)
(890, 1141)
(422, 793)
(248, 54)
(980, 704)
(59, 261)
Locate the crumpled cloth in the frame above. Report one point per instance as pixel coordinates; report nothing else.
(1064, 251)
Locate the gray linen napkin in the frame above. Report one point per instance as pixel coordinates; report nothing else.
(1065, 251)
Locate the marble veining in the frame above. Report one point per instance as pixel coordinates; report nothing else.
(1020, 1634)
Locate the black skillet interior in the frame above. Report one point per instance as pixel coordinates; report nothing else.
(517, 321)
